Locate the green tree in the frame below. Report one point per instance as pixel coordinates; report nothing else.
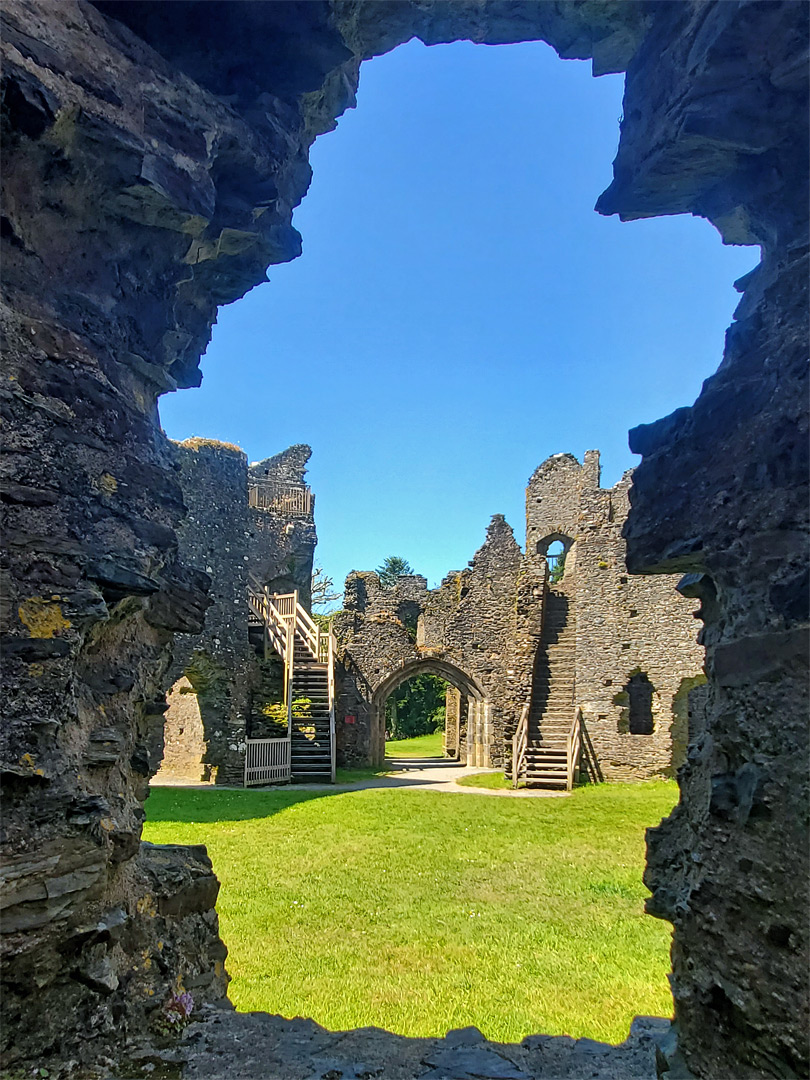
(392, 568)
(416, 708)
(558, 571)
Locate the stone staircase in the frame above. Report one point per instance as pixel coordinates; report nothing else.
(310, 749)
(553, 694)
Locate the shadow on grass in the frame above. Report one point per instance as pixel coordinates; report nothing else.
(195, 805)
(209, 805)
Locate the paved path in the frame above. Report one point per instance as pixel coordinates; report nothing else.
(433, 774)
(417, 774)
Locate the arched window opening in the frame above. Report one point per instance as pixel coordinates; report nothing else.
(555, 557)
(554, 548)
(640, 693)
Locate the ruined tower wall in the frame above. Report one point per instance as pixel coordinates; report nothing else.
(282, 539)
(624, 624)
(227, 539)
(218, 662)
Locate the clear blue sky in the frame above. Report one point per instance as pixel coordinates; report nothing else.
(460, 312)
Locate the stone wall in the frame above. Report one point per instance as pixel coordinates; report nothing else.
(229, 540)
(184, 745)
(624, 624)
(471, 630)
(218, 662)
(146, 180)
(487, 621)
(282, 543)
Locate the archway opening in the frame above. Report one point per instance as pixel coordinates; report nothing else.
(437, 694)
(415, 715)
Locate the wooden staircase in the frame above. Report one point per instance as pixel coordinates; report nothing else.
(546, 748)
(309, 688)
(311, 728)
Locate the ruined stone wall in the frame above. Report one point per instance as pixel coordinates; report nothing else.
(282, 540)
(146, 180)
(472, 621)
(229, 540)
(184, 743)
(219, 661)
(624, 624)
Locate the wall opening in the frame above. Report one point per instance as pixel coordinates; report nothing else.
(555, 549)
(639, 692)
(448, 691)
(184, 743)
(416, 708)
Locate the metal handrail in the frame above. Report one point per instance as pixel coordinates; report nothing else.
(520, 743)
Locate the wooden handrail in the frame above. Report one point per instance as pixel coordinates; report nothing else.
(331, 676)
(289, 499)
(573, 747)
(520, 743)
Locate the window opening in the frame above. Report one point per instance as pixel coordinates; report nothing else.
(640, 692)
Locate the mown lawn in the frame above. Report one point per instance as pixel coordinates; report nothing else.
(419, 911)
(419, 746)
(493, 781)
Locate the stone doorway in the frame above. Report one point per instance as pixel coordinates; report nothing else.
(473, 706)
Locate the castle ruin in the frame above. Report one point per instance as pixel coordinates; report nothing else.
(244, 523)
(147, 179)
(507, 634)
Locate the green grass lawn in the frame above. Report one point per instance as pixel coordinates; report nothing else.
(418, 911)
(353, 776)
(420, 746)
(492, 781)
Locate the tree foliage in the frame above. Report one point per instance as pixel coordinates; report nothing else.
(392, 568)
(557, 570)
(416, 708)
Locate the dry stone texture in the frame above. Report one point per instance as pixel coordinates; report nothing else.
(624, 624)
(148, 179)
(472, 631)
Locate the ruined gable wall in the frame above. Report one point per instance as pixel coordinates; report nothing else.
(484, 620)
(624, 624)
(475, 618)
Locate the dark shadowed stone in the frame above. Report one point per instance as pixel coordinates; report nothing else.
(463, 1062)
(117, 580)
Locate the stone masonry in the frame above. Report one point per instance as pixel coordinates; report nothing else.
(228, 536)
(481, 629)
(282, 536)
(152, 158)
(478, 631)
(625, 625)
